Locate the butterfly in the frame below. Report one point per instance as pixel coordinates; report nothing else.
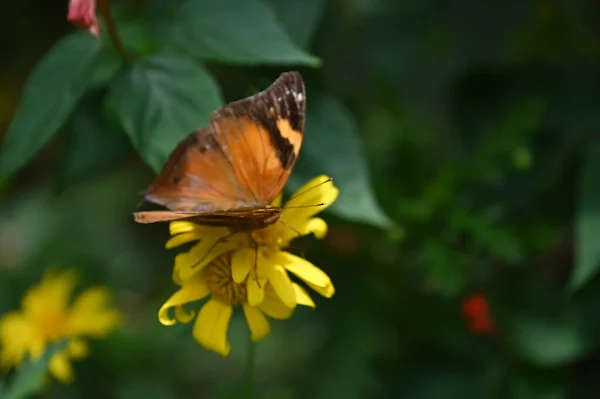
(228, 173)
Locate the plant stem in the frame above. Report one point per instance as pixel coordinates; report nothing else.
(112, 30)
(249, 371)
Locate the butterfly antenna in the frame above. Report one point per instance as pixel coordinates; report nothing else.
(291, 228)
(302, 251)
(140, 203)
(304, 206)
(310, 188)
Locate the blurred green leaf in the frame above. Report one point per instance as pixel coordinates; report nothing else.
(445, 272)
(546, 329)
(588, 219)
(50, 94)
(30, 376)
(333, 146)
(235, 31)
(160, 101)
(300, 17)
(93, 144)
(548, 340)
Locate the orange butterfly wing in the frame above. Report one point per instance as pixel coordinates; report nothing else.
(263, 135)
(237, 164)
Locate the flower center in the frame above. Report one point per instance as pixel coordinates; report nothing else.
(218, 278)
(54, 325)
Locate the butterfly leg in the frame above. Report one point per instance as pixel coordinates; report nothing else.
(220, 240)
(256, 246)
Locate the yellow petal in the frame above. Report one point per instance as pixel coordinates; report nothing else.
(181, 226)
(317, 226)
(277, 201)
(302, 297)
(273, 307)
(52, 294)
(306, 202)
(327, 291)
(281, 283)
(303, 269)
(241, 262)
(19, 337)
(201, 255)
(78, 348)
(60, 367)
(184, 316)
(211, 326)
(192, 290)
(181, 239)
(92, 314)
(256, 291)
(257, 322)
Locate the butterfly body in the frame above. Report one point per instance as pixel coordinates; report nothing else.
(246, 219)
(229, 172)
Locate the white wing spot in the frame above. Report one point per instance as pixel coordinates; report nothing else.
(299, 97)
(279, 99)
(287, 92)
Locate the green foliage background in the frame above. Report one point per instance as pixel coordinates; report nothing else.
(464, 137)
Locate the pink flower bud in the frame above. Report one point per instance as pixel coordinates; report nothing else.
(82, 13)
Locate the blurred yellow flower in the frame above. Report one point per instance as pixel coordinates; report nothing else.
(47, 316)
(253, 268)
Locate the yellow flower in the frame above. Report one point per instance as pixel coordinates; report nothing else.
(47, 316)
(215, 280)
(253, 268)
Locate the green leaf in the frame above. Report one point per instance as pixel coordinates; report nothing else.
(160, 101)
(588, 219)
(332, 145)
(51, 92)
(94, 145)
(235, 31)
(300, 17)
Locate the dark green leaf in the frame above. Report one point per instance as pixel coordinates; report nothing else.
(160, 101)
(588, 219)
(332, 145)
(94, 145)
(50, 94)
(106, 67)
(300, 17)
(136, 36)
(236, 31)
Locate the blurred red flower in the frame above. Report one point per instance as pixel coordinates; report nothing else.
(476, 310)
(82, 13)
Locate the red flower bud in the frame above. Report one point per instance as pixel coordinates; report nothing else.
(476, 310)
(82, 13)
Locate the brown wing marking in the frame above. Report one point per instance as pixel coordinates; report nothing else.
(263, 135)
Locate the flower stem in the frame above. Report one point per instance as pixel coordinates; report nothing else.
(249, 371)
(112, 30)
